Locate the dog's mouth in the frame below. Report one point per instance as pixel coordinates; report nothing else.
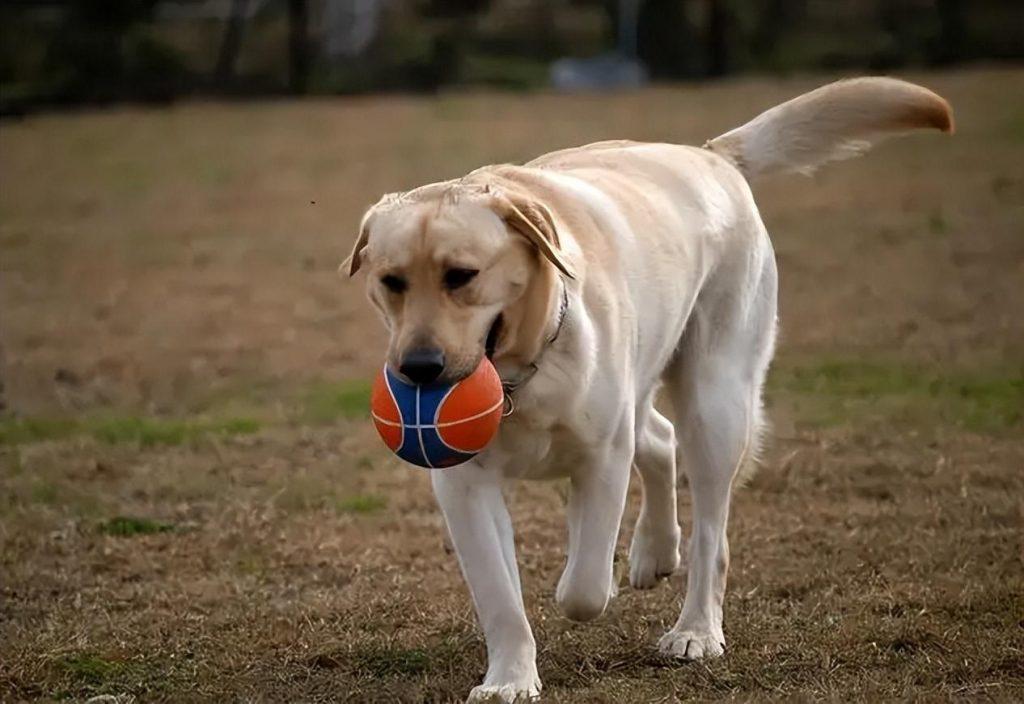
(492, 337)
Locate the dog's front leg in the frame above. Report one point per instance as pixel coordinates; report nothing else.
(481, 531)
(597, 498)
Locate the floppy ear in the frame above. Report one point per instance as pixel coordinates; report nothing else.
(352, 262)
(533, 220)
(351, 265)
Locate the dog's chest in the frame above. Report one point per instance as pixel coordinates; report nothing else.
(529, 451)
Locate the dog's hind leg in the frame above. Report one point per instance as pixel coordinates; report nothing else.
(715, 384)
(654, 550)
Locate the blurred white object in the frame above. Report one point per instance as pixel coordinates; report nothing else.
(600, 72)
(350, 25)
(618, 69)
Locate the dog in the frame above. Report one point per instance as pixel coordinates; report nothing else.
(593, 277)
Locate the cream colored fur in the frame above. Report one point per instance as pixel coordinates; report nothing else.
(671, 284)
(834, 122)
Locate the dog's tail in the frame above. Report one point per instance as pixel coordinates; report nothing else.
(837, 121)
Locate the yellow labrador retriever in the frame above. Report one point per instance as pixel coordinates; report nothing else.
(592, 276)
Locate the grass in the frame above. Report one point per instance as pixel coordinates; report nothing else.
(326, 403)
(16, 431)
(312, 491)
(390, 660)
(938, 226)
(115, 430)
(834, 392)
(90, 670)
(148, 432)
(379, 661)
(128, 526)
(829, 392)
(364, 503)
(44, 492)
(875, 556)
(125, 679)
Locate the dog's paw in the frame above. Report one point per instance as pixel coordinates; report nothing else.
(652, 557)
(511, 693)
(691, 645)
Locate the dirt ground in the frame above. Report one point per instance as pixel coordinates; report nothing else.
(193, 506)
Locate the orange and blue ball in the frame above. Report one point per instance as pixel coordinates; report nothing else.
(438, 425)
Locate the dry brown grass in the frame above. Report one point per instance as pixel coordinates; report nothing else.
(192, 506)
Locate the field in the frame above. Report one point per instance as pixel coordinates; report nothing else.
(194, 507)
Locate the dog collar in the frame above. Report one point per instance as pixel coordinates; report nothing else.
(510, 386)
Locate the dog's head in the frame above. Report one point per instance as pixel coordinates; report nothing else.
(457, 271)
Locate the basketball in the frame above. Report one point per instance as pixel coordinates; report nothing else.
(437, 425)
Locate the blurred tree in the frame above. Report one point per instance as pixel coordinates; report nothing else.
(772, 20)
(719, 38)
(452, 9)
(666, 40)
(101, 51)
(670, 43)
(951, 43)
(298, 46)
(450, 45)
(231, 44)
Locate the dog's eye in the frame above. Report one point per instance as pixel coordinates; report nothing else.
(457, 278)
(395, 284)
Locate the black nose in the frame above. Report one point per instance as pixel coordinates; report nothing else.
(422, 365)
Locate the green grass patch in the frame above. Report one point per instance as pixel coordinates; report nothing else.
(312, 491)
(237, 426)
(937, 224)
(305, 492)
(1015, 127)
(38, 494)
(18, 431)
(88, 669)
(82, 674)
(330, 402)
(143, 431)
(128, 526)
(830, 393)
(387, 661)
(115, 430)
(43, 492)
(148, 432)
(378, 661)
(363, 503)
(86, 673)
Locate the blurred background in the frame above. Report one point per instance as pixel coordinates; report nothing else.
(194, 505)
(55, 52)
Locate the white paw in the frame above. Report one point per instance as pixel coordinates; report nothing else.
(652, 558)
(691, 645)
(511, 693)
(580, 599)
